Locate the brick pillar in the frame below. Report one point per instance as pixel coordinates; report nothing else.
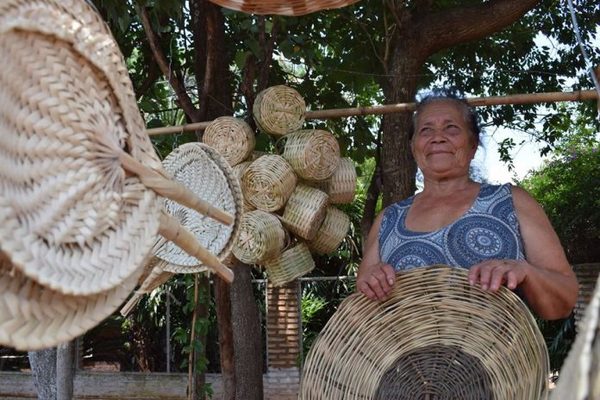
(283, 325)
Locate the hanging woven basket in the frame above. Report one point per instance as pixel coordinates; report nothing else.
(305, 211)
(331, 233)
(207, 174)
(437, 337)
(231, 137)
(268, 182)
(292, 263)
(279, 110)
(261, 236)
(238, 171)
(281, 7)
(313, 154)
(341, 186)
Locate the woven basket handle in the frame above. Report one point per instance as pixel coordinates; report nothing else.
(172, 189)
(172, 230)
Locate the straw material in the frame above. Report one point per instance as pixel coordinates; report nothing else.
(238, 171)
(261, 236)
(207, 174)
(292, 263)
(313, 154)
(332, 232)
(579, 377)
(268, 182)
(279, 110)
(35, 317)
(305, 211)
(341, 186)
(435, 337)
(281, 7)
(231, 137)
(71, 218)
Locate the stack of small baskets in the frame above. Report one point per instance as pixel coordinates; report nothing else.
(289, 197)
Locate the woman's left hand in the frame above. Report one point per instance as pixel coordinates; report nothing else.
(492, 274)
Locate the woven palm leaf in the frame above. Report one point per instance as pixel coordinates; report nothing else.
(314, 154)
(332, 231)
(435, 337)
(292, 263)
(261, 236)
(305, 211)
(268, 182)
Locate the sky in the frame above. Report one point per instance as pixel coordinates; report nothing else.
(526, 157)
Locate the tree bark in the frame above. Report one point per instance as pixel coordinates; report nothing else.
(43, 368)
(247, 336)
(226, 346)
(65, 370)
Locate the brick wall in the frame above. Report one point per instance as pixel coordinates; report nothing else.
(283, 326)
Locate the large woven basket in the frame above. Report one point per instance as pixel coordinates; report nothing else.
(268, 182)
(292, 263)
(579, 377)
(341, 186)
(305, 211)
(281, 7)
(331, 233)
(279, 110)
(313, 154)
(71, 218)
(207, 174)
(231, 137)
(261, 236)
(34, 317)
(436, 337)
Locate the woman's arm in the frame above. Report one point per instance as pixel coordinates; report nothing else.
(546, 278)
(375, 279)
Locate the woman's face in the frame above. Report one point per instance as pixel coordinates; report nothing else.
(443, 144)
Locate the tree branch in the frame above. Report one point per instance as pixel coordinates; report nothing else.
(178, 87)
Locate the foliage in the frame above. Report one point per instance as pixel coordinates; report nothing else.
(568, 188)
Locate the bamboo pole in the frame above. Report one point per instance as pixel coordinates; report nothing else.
(528, 98)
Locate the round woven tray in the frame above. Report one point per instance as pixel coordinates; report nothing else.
(313, 154)
(292, 263)
(281, 7)
(435, 337)
(268, 182)
(261, 236)
(207, 174)
(305, 211)
(35, 317)
(279, 110)
(71, 218)
(331, 233)
(231, 137)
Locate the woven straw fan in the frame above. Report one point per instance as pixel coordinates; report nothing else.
(76, 164)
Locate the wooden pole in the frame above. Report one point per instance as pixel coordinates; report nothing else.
(528, 98)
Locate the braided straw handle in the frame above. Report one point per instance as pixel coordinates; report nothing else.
(172, 230)
(172, 189)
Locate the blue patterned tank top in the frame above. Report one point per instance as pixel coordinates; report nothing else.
(488, 230)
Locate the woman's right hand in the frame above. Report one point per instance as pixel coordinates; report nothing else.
(376, 280)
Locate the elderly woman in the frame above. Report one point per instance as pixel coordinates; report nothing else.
(500, 233)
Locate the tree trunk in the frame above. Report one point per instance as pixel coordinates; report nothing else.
(65, 370)
(223, 300)
(202, 312)
(43, 368)
(247, 336)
